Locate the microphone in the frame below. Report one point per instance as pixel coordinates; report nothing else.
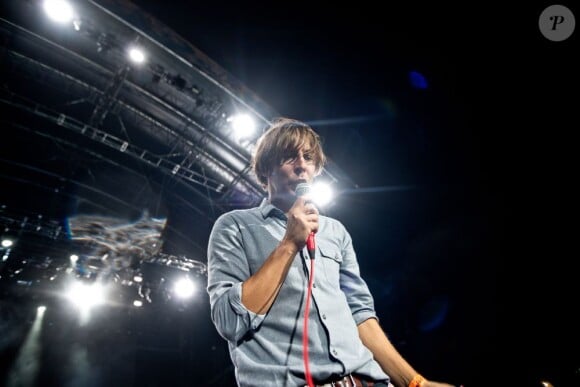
(301, 190)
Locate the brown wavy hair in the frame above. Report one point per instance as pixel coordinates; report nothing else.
(282, 138)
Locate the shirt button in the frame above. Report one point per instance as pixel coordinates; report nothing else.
(324, 317)
(334, 352)
(313, 285)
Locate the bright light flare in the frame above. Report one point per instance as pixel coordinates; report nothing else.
(243, 125)
(321, 193)
(136, 55)
(7, 243)
(59, 10)
(85, 296)
(184, 288)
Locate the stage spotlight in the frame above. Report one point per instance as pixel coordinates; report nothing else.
(85, 296)
(184, 288)
(243, 125)
(321, 193)
(7, 243)
(59, 10)
(136, 55)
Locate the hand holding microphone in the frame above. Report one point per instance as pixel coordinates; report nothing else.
(302, 220)
(305, 204)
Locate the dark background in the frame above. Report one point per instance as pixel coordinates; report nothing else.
(483, 158)
(463, 221)
(466, 184)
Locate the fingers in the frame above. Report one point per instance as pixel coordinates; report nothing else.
(307, 204)
(312, 216)
(305, 214)
(310, 208)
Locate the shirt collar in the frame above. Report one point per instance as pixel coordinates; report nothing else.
(268, 209)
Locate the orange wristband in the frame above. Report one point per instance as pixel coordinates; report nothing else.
(417, 381)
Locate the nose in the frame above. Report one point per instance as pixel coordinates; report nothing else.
(299, 164)
(298, 170)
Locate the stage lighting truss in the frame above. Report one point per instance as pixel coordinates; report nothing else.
(170, 279)
(162, 278)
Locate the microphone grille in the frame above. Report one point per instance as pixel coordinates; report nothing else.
(302, 189)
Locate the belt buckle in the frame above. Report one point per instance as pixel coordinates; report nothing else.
(352, 380)
(347, 381)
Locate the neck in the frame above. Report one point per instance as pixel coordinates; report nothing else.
(284, 203)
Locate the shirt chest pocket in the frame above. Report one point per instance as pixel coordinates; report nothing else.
(331, 259)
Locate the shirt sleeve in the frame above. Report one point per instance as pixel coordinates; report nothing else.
(358, 295)
(227, 269)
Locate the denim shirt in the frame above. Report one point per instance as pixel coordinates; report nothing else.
(266, 349)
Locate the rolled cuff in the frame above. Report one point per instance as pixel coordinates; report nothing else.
(364, 315)
(252, 320)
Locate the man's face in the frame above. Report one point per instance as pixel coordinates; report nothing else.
(299, 167)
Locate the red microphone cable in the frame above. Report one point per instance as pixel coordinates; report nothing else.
(311, 251)
(301, 190)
